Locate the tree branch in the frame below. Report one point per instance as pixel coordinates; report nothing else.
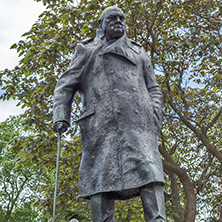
(188, 189)
(175, 196)
(203, 176)
(170, 165)
(13, 202)
(213, 121)
(203, 138)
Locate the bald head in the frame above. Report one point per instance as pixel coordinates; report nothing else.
(113, 22)
(107, 11)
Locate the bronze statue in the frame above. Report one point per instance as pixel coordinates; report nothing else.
(120, 121)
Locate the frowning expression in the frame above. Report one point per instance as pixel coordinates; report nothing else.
(114, 24)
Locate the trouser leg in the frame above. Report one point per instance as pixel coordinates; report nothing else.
(102, 208)
(153, 202)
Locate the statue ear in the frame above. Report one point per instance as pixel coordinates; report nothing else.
(100, 24)
(100, 32)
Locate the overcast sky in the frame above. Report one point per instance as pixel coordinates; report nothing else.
(16, 18)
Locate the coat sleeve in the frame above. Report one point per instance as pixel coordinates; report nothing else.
(67, 85)
(153, 88)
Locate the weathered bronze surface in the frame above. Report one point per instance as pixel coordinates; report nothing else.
(120, 121)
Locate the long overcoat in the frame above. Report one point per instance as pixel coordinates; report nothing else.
(121, 117)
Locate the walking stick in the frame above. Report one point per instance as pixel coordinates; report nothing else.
(57, 175)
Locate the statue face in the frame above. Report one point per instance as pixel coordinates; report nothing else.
(114, 24)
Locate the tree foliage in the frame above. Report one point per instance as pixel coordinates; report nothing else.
(183, 39)
(18, 183)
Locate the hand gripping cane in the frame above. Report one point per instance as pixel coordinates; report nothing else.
(57, 174)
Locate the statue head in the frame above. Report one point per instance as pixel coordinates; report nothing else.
(112, 23)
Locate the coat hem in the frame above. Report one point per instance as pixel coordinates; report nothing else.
(123, 194)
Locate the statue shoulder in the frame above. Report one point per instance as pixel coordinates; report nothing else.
(137, 47)
(86, 41)
(88, 44)
(136, 43)
(84, 48)
(84, 45)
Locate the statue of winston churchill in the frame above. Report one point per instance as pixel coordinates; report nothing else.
(120, 121)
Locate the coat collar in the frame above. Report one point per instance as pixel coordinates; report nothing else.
(123, 47)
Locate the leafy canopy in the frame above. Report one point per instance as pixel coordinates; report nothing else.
(183, 39)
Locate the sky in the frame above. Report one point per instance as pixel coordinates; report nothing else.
(16, 18)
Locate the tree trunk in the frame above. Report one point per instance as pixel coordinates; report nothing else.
(169, 164)
(175, 196)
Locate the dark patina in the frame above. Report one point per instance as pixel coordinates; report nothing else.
(120, 121)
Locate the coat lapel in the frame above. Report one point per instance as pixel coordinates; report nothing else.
(122, 47)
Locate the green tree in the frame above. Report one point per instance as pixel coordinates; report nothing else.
(18, 183)
(183, 39)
